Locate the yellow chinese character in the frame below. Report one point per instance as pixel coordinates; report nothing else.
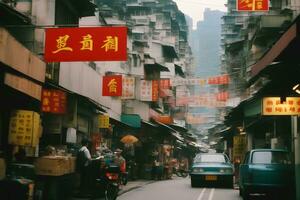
(259, 5)
(87, 42)
(110, 43)
(62, 44)
(46, 102)
(112, 85)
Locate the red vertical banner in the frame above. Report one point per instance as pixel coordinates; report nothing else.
(155, 87)
(112, 85)
(252, 5)
(164, 86)
(54, 101)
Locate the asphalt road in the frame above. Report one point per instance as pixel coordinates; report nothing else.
(179, 189)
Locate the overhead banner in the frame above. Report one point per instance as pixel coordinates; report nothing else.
(128, 87)
(86, 44)
(214, 80)
(195, 119)
(274, 106)
(202, 101)
(54, 101)
(252, 5)
(112, 85)
(164, 88)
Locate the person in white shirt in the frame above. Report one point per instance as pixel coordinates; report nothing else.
(83, 160)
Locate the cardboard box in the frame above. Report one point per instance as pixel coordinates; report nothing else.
(72, 163)
(52, 165)
(2, 168)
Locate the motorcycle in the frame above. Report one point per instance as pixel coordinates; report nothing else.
(107, 181)
(180, 171)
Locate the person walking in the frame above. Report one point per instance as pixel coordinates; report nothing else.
(83, 161)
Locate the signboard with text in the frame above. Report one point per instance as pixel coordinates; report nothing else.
(128, 87)
(86, 44)
(112, 85)
(103, 121)
(253, 5)
(54, 101)
(274, 106)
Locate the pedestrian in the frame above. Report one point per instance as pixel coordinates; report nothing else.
(83, 161)
(120, 160)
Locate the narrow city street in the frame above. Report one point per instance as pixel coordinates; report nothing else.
(179, 189)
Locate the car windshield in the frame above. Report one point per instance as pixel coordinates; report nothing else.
(211, 159)
(272, 157)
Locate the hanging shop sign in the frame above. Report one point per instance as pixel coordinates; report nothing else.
(164, 88)
(54, 101)
(239, 147)
(86, 44)
(274, 106)
(103, 121)
(155, 88)
(165, 119)
(128, 87)
(24, 128)
(149, 90)
(112, 85)
(252, 5)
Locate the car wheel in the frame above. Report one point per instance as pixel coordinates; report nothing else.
(229, 183)
(245, 194)
(193, 183)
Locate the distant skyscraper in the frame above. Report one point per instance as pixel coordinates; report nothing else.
(206, 43)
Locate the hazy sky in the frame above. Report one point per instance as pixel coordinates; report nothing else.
(195, 8)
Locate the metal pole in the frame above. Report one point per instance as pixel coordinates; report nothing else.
(296, 150)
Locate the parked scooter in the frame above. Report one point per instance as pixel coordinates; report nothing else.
(107, 180)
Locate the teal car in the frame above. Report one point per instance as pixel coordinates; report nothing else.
(267, 171)
(212, 169)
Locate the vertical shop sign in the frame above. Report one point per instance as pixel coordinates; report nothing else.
(24, 128)
(128, 87)
(103, 121)
(112, 85)
(164, 86)
(253, 5)
(86, 44)
(146, 90)
(155, 88)
(54, 101)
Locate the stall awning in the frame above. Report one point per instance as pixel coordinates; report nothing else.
(132, 120)
(156, 66)
(10, 16)
(171, 130)
(179, 71)
(169, 51)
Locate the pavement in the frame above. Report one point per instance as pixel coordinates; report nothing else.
(131, 185)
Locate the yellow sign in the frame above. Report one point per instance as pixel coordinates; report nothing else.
(103, 121)
(24, 128)
(239, 147)
(273, 106)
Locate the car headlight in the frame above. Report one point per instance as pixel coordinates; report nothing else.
(225, 170)
(197, 170)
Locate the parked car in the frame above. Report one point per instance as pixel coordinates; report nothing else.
(267, 171)
(212, 169)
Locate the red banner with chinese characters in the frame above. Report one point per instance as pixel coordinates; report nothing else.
(253, 5)
(164, 86)
(86, 44)
(219, 80)
(112, 85)
(54, 101)
(155, 87)
(222, 96)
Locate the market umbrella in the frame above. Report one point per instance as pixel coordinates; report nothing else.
(129, 139)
